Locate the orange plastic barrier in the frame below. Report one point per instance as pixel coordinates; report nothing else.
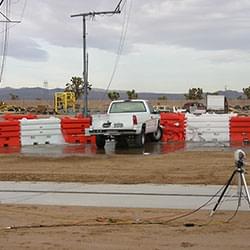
(173, 126)
(9, 134)
(10, 150)
(11, 117)
(73, 130)
(240, 129)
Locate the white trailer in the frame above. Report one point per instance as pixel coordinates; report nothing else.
(216, 103)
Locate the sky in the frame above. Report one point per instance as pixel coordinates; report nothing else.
(165, 46)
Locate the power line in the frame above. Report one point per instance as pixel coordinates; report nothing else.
(5, 40)
(23, 10)
(85, 73)
(120, 46)
(6, 32)
(21, 17)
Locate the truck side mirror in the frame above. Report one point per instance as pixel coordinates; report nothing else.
(155, 111)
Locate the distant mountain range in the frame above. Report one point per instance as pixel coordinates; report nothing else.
(95, 94)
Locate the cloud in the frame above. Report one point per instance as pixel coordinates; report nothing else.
(227, 57)
(27, 49)
(198, 24)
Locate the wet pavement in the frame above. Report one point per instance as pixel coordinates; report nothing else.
(110, 148)
(111, 195)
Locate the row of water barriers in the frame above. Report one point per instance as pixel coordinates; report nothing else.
(21, 130)
(205, 127)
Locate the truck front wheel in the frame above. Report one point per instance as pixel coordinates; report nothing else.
(100, 141)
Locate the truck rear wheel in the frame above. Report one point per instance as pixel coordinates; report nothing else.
(100, 141)
(140, 139)
(157, 135)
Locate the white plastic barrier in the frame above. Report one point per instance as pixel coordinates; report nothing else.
(41, 131)
(208, 127)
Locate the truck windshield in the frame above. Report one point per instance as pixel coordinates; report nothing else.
(127, 107)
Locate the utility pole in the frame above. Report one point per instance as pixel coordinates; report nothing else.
(6, 22)
(85, 70)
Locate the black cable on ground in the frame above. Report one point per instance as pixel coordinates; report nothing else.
(238, 206)
(115, 222)
(195, 210)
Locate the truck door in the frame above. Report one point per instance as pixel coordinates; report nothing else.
(152, 123)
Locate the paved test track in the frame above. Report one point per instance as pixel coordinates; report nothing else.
(110, 195)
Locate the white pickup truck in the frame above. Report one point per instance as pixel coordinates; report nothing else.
(126, 121)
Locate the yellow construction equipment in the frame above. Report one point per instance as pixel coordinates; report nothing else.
(64, 102)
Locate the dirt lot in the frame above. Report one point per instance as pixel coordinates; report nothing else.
(109, 228)
(45, 227)
(211, 167)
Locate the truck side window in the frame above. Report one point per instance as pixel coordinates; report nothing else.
(151, 109)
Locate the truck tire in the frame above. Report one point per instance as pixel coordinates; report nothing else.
(140, 139)
(157, 135)
(100, 141)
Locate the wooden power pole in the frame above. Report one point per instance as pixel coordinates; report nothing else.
(85, 70)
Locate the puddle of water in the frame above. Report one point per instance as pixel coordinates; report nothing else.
(10, 150)
(111, 149)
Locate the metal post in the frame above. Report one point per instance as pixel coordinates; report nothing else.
(85, 80)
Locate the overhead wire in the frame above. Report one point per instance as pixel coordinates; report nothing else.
(23, 10)
(17, 1)
(5, 30)
(5, 39)
(21, 16)
(125, 24)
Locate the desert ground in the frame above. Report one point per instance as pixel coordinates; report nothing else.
(41, 227)
(55, 227)
(182, 167)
